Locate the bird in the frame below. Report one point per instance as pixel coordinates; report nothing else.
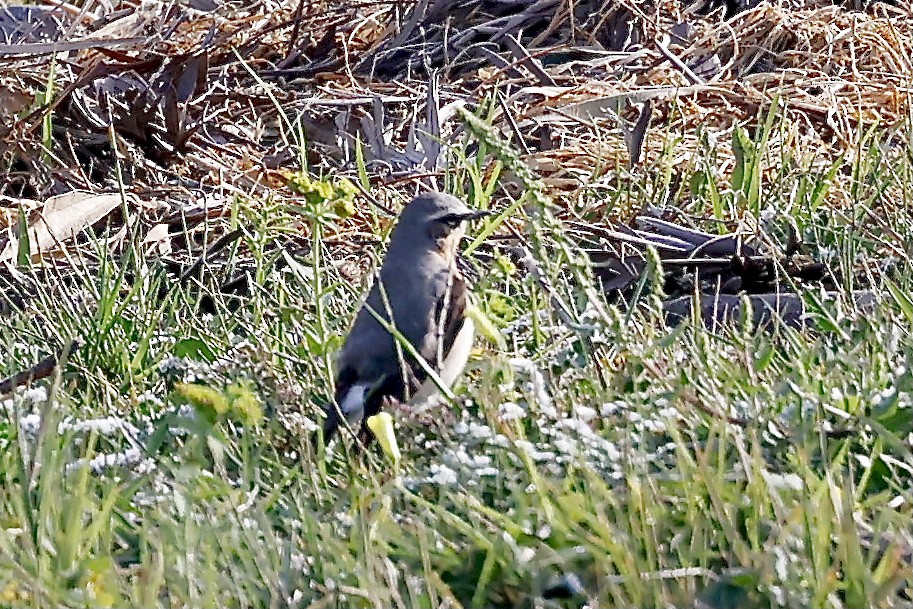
(419, 291)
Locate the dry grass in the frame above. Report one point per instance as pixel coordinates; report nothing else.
(214, 101)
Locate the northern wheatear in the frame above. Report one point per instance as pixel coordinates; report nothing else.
(419, 292)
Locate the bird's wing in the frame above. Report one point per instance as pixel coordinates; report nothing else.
(452, 366)
(454, 333)
(449, 290)
(456, 311)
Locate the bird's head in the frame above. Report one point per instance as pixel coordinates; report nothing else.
(437, 219)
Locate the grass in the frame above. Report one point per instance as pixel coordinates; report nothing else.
(599, 459)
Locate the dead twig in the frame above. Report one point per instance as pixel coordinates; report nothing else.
(42, 369)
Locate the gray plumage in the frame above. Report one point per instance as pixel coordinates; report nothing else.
(421, 292)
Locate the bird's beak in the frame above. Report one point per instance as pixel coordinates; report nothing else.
(476, 214)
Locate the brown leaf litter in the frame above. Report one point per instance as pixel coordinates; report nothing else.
(187, 106)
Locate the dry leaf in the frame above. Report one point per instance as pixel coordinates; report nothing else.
(61, 218)
(158, 240)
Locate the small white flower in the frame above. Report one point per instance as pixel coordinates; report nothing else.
(780, 481)
(825, 253)
(297, 561)
(585, 413)
(148, 397)
(30, 423)
(296, 597)
(105, 426)
(35, 395)
(610, 408)
(566, 446)
(249, 500)
(536, 386)
(99, 463)
(576, 425)
(499, 440)
(543, 455)
(298, 422)
(480, 432)
(172, 363)
(442, 475)
(611, 451)
(654, 426)
(779, 595)
(510, 411)
(524, 445)
(145, 466)
(524, 555)
(886, 393)
(781, 563)
(479, 461)
(547, 409)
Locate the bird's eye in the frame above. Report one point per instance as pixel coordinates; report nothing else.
(452, 221)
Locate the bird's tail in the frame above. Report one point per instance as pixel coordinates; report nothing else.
(330, 423)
